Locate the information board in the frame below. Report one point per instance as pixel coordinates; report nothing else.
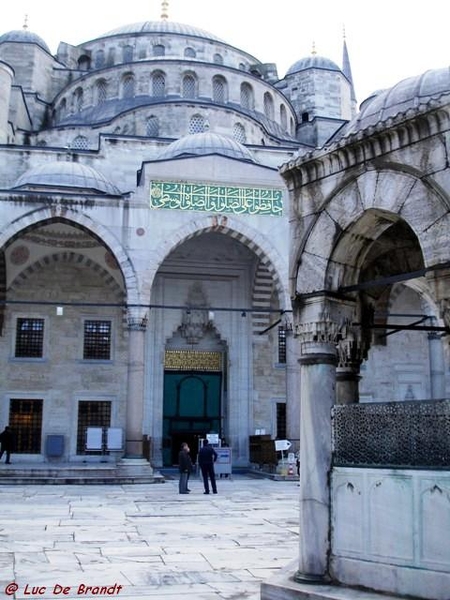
(223, 463)
(114, 438)
(94, 438)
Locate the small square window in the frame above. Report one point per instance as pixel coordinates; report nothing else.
(97, 340)
(281, 345)
(29, 338)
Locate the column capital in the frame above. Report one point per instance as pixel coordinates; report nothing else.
(136, 319)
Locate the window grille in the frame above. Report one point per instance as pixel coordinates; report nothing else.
(281, 420)
(268, 105)
(99, 60)
(239, 133)
(80, 143)
(159, 50)
(197, 124)
(128, 87)
(97, 340)
(283, 117)
(102, 91)
(152, 126)
(29, 338)
(25, 421)
(189, 87)
(247, 96)
(190, 53)
(219, 90)
(91, 413)
(127, 53)
(281, 345)
(158, 85)
(218, 59)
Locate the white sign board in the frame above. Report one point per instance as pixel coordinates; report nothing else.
(114, 438)
(94, 438)
(213, 438)
(282, 445)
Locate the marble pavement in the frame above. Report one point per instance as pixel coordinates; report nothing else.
(146, 542)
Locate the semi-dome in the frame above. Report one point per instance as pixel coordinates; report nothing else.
(65, 174)
(408, 93)
(161, 27)
(313, 62)
(23, 36)
(201, 144)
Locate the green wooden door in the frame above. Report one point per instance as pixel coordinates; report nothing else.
(192, 408)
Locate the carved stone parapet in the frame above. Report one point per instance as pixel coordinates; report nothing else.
(323, 331)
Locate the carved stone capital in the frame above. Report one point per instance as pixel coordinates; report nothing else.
(136, 321)
(351, 348)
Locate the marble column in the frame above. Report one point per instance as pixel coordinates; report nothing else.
(135, 394)
(318, 394)
(293, 390)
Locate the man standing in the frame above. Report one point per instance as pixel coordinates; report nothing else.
(207, 456)
(185, 468)
(6, 444)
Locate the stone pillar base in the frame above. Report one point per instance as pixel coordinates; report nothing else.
(134, 467)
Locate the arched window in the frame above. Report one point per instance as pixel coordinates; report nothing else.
(247, 97)
(189, 87)
(239, 133)
(152, 126)
(111, 57)
(158, 85)
(159, 50)
(78, 100)
(99, 59)
(189, 52)
(242, 67)
(84, 63)
(62, 111)
(127, 53)
(218, 59)
(283, 117)
(128, 86)
(268, 105)
(101, 91)
(197, 124)
(219, 89)
(80, 143)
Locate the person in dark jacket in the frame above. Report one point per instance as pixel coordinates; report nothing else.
(6, 444)
(207, 456)
(185, 468)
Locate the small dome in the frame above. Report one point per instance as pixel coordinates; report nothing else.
(24, 36)
(201, 144)
(161, 27)
(313, 62)
(64, 174)
(408, 93)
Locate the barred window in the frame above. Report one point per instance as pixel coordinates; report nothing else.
(281, 345)
(158, 85)
(152, 126)
(99, 59)
(128, 86)
(29, 338)
(189, 87)
(219, 90)
(239, 133)
(94, 413)
(25, 421)
(218, 59)
(189, 53)
(281, 421)
(197, 124)
(283, 117)
(247, 99)
(159, 50)
(80, 143)
(78, 100)
(268, 105)
(101, 91)
(97, 340)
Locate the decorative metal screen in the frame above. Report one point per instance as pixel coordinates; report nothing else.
(97, 340)
(394, 434)
(29, 338)
(91, 413)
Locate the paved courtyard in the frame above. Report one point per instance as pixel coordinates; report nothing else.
(146, 541)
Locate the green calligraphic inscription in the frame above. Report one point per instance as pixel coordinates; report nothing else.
(175, 195)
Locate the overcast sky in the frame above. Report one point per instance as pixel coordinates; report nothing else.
(388, 40)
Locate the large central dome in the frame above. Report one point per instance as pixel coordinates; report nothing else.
(161, 27)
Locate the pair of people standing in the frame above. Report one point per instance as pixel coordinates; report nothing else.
(207, 456)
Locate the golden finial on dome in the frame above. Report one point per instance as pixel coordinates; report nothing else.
(314, 51)
(164, 10)
(25, 22)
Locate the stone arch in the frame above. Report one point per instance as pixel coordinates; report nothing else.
(47, 215)
(362, 207)
(240, 232)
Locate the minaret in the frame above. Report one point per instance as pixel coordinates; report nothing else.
(347, 70)
(164, 10)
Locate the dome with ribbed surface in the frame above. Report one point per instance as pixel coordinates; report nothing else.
(201, 144)
(65, 174)
(25, 37)
(313, 62)
(161, 27)
(407, 94)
